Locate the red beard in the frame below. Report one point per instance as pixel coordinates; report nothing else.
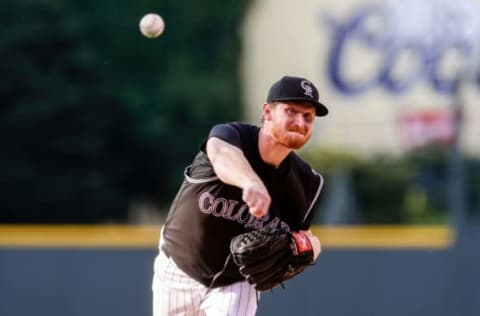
(291, 138)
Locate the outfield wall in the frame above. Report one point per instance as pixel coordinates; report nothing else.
(108, 278)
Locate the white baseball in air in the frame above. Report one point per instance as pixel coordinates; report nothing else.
(152, 25)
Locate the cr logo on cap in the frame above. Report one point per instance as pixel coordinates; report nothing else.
(305, 84)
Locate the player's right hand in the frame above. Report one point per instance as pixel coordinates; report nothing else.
(257, 198)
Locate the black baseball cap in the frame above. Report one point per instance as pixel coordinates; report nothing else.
(296, 89)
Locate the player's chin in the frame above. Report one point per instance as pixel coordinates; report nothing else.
(296, 141)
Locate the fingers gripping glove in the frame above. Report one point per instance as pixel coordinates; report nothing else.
(270, 256)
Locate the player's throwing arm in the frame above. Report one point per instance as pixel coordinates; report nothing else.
(233, 168)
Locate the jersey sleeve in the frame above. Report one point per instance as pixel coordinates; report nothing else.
(226, 132)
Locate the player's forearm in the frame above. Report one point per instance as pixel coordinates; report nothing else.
(232, 167)
(230, 163)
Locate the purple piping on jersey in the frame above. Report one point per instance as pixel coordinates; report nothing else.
(193, 180)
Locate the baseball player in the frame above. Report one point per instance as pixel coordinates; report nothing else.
(243, 178)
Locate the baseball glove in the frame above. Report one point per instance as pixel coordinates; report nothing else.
(270, 256)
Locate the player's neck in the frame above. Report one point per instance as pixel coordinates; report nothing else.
(271, 152)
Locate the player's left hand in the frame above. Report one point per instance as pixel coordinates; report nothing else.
(270, 256)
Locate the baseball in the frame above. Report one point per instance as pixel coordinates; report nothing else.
(152, 25)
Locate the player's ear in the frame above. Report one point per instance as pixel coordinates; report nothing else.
(267, 111)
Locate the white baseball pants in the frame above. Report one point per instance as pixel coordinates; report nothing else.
(177, 294)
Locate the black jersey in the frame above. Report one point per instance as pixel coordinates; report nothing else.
(207, 213)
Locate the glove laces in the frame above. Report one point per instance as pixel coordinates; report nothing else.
(219, 273)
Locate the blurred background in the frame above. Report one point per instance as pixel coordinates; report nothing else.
(98, 122)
